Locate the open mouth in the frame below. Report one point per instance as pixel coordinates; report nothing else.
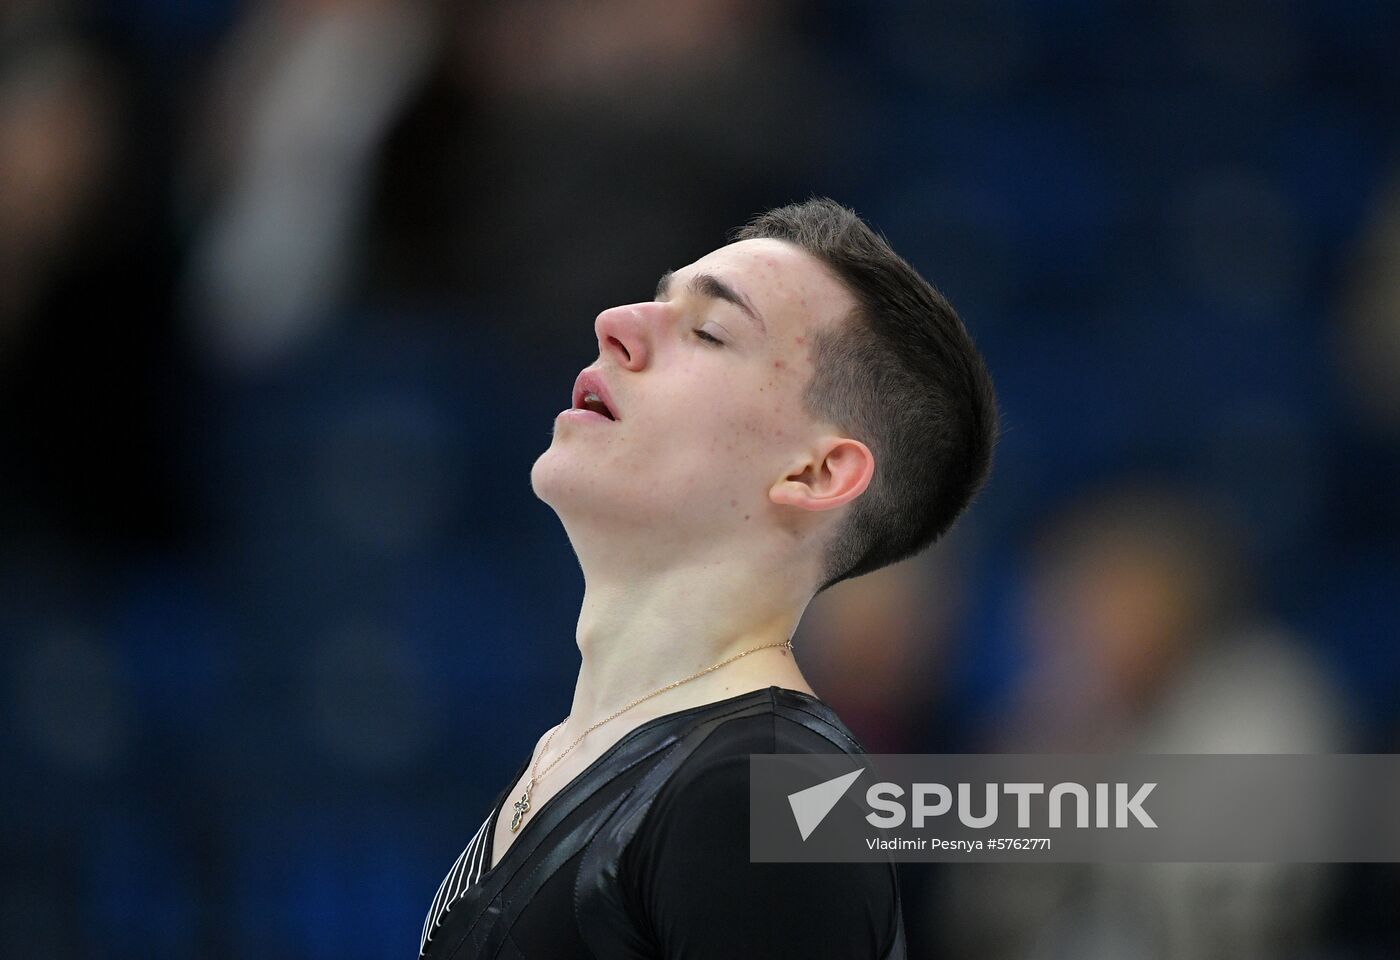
(590, 393)
(591, 401)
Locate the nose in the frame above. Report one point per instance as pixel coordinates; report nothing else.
(626, 332)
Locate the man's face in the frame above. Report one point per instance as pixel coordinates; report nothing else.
(703, 430)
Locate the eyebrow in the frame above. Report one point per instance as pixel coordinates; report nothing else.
(712, 287)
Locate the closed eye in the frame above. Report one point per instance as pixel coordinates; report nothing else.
(714, 341)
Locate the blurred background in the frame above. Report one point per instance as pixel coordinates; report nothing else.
(291, 291)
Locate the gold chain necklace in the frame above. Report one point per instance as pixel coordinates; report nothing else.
(522, 806)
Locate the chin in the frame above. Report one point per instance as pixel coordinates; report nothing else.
(558, 482)
(545, 474)
(555, 479)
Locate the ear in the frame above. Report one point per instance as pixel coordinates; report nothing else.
(837, 472)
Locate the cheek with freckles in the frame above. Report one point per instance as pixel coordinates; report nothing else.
(759, 428)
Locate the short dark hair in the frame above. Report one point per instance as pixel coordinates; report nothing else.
(903, 376)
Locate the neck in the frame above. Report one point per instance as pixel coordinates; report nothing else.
(640, 630)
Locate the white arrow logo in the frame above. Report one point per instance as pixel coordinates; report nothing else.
(810, 806)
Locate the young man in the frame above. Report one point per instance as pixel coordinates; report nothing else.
(791, 410)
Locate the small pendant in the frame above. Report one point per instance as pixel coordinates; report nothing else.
(521, 806)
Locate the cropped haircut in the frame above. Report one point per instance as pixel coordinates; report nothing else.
(900, 374)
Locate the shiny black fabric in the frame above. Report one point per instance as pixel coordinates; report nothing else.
(645, 855)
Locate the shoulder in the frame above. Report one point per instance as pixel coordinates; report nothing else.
(689, 863)
(713, 774)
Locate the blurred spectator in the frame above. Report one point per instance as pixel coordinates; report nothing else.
(1366, 344)
(57, 140)
(561, 156)
(1369, 334)
(81, 294)
(302, 96)
(1143, 640)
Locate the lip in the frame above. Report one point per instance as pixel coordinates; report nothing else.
(589, 381)
(578, 413)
